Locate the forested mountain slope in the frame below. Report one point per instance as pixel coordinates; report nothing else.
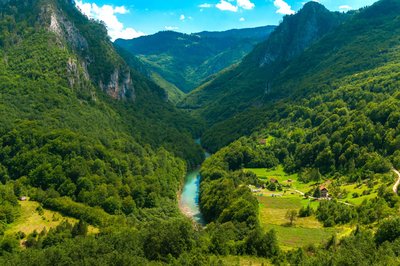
(181, 61)
(77, 123)
(252, 81)
(86, 135)
(334, 126)
(364, 42)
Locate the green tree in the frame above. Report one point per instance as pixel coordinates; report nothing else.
(291, 216)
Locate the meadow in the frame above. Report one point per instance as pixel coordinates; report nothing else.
(35, 218)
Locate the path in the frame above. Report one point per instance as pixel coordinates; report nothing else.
(396, 185)
(345, 203)
(298, 191)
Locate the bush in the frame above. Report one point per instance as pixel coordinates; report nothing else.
(389, 230)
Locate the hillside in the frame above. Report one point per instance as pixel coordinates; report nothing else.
(184, 61)
(321, 68)
(251, 82)
(305, 135)
(72, 129)
(321, 158)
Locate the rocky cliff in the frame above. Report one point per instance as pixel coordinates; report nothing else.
(110, 73)
(298, 32)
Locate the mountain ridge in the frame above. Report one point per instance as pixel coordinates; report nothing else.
(205, 53)
(252, 79)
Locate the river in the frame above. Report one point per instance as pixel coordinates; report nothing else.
(189, 199)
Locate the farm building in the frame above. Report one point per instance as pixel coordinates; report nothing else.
(324, 192)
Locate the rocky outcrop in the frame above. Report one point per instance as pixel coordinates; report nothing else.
(120, 85)
(298, 32)
(117, 85)
(77, 73)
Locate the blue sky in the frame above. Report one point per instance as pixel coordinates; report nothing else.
(128, 19)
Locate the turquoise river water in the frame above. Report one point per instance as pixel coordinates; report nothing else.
(189, 200)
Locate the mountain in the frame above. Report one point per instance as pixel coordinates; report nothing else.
(93, 156)
(183, 61)
(330, 120)
(250, 82)
(78, 124)
(339, 54)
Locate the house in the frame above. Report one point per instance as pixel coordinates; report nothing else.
(23, 198)
(273, 180)
(324, 192)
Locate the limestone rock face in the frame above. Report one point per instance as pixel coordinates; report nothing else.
(117, 83)
(298, 32)
(120, 85)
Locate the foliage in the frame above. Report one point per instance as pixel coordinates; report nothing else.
(185, 60)
(291, 215)
(74, 141)
(9, 207)
(388, 231)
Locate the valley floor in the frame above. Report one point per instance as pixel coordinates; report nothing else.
(274, 206)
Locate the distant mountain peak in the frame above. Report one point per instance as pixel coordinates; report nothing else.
(187, 60)
(299, 31)
(313, 5)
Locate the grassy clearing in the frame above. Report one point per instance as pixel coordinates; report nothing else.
(283, 178)
(294, 237)
(295, 186)
(307, 230)
(31, 220)
(359, 189)
(303, 232)
(241, 261)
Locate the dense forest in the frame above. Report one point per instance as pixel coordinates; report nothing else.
(181, 62)
(87, 137)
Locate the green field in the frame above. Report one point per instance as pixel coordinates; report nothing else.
(240, 261)
(303, 232)
(306, 230)
(283, 178)
(295, 186)
(31, 220)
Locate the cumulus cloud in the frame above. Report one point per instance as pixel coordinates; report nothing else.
(205, 5)
(171, 28)
(345, 7)
(108, 14)
(245, 4)
(242, 19)
(283, 7)
(229, 6)
(226, 6)
(182, 17)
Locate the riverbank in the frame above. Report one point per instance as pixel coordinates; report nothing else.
(188, 197)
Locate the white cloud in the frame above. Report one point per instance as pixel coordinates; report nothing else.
(226, 6)
(283, 7)
(205, 5)
(107, 14)
(242, 19)
(345, 7)
(245, 4)
(171, 28)
(182, 17)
